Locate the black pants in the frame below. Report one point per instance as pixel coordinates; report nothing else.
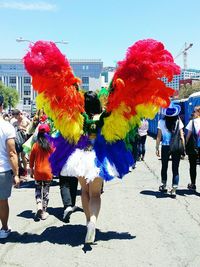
(175, 165)
(68, 190)
(141, 145)
(193, 166)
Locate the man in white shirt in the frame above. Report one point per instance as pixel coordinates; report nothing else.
(8, 169)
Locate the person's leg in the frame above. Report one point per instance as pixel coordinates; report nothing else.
(4, 213)
(6, 182)
(193, 168)
(45, 197)
(64, 182)
(73, 189)
(164, 161)
(85, 197)
(94, 208)
(95, 198)
(143, 149)
(38, 197)
(24, 161)
(175, 166)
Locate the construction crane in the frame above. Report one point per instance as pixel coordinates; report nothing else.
(184, 52)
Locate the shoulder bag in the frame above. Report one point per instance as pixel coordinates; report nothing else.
(176, 143)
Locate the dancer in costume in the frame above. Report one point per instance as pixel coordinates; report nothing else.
(91, 144)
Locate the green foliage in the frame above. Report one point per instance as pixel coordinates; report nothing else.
(187, 89)
(11, 97)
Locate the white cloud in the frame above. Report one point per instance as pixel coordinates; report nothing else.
(34, 5)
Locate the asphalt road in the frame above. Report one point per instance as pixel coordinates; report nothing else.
(137, 225)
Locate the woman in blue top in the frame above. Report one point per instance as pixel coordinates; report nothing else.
(165, 128)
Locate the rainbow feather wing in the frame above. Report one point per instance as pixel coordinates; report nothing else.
(53, 79)
(136, 90)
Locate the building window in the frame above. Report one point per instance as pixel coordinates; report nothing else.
(27, 101)
(12, 79)
(85, 80)
(27, 92)
(12, 67)
(27, 80)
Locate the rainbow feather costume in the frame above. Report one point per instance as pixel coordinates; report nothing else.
(135, 92)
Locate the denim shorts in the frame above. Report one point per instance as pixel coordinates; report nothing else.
(6, 182)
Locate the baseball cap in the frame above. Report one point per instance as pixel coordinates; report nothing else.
(44, 128)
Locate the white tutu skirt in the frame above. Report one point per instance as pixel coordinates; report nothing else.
(83, 163)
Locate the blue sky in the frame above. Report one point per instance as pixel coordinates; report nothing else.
(101, 29)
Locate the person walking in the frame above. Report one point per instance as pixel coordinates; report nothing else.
(90, 144)
(193, 128)
(21, 125)
(8, 169)
(142, 133)
(166, 127)
(41, 171)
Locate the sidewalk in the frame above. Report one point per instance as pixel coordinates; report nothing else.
(137, 225)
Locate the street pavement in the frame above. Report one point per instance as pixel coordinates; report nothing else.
(137, 225)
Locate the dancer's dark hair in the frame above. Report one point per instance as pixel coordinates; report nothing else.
(92, 103)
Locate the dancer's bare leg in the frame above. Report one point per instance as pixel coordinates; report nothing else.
(95, 198)
(85, 197)
(94, 208)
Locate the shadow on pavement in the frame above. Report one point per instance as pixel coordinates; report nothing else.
(56, 212)
(156, 194)
(185, 192)
(73, 235)
(181, 192)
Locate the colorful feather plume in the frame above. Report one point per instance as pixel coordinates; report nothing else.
(53, 79)
(137, 90)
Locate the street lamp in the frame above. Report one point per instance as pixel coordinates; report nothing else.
(61, 42)
(21, 39)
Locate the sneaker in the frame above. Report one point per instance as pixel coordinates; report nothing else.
(44, 215)
(191, 187)
(4, 233)
(74, 208)
(67, 212)
(38, 214)
(173, 192)
(91, 231)
(163, 188)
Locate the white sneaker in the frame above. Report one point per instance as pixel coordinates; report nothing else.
(44, 215)
(91, 231)
(173, 192)
(5, 233)
(74, 208)
(67, 212)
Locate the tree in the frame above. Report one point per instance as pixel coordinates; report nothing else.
(187, 89)
(11, 97)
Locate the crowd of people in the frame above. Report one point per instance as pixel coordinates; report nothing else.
(169, 126)
(35, 132)
(87, 137)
